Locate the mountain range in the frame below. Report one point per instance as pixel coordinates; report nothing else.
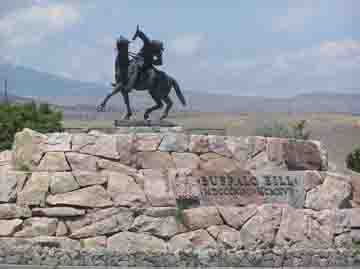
(75, 95)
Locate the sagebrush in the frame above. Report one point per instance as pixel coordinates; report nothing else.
(15, 117)
(353, 160)
(296, 130)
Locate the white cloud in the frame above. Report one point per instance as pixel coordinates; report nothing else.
(187, 44)
(31, 25)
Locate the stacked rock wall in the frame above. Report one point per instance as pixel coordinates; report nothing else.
(120, 193)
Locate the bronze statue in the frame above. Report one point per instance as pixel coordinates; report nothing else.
(140, 74)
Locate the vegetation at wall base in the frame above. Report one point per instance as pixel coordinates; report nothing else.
(15, 117)
(353, 160)
(281, 130)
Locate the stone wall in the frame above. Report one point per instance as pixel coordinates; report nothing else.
(119, 193)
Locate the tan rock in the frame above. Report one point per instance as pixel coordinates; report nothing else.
(54, 162)
(238, 147)
(126, 148)
(57, 242)
(38, 226)
(303, 155)
(58, 212)
(157, 188)
(62, 182)
(186, 160)
(217, 144)
(229, 237)
(58, 142)
(195, 240)
(174, 142)
(260, 230)
(9, 227)
(8, 183)
(82, 140)
(201, 218)
(335, 192)
(154, 160)
(312, 179)
(6, 157)
(199, 144)
(35, 190)
(124, 191)
(275, 149)
(88, 178)
(116, 167)
(94, 242)
(13, 211)
(104, 224)
(216, 164)
(161, 227)
(94, 196)
(28, 149)
(160, 212)
(103, 146)
(81, 162)
(127, 242)
(147, 141)
(61, 229)
(236, 217)
(256, 144)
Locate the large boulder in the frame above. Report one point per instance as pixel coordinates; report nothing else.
(194, 240)
(161, 227)
(335, 192)
(35, 190)
(199, 144)
(126, 148)
(104, 164)
(124, 191)
(157, 188)
(58, 212)
(201, 218)
(88, 178)
(154, 160)
(236, 217)
(119, 222)
(58, 142)
(13, 211)
(147, 141)
(8, 183)
(54, 162)
(239, 148)
(186, 160)
(62, 182)
(6, 157)
(216, 164)
(174, 142)
(225, 235)
(9, 227)
(38, 226)
(128, 242)
(94, 196)
(28, 149)
(103, 146)
(83, 162)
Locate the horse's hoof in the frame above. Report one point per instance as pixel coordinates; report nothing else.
(100, 108)
(146, 117)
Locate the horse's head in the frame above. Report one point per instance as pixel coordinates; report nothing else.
(136, 35)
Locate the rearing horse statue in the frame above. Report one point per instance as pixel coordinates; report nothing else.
(156, 82)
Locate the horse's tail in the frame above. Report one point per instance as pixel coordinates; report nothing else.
(178, 91)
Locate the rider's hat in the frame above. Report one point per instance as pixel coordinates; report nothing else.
(123, 40)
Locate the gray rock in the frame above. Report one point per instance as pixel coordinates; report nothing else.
(333, 193)
(58, 212)
(82, 162)
(9, 227)
(116, 167)
(94, 242)
(103, 146)
(174, 142)
(94, 196)
(160, 212)
(53, 162)
(147, 141)
(62, 182)
(57, 242)
(194, 240)
(119, 222)
(13, 211)
(154, 160)
(88, 178)
(236, 217)
(312, 179)
(58, 142)
(127, 242)
(61, 229)
(199, 144)
(227, 236)
(161, 227)
(6, 157)
(217, 164)
(201, 218)
(126, 148)
(38, 226)
(124, 191)
(186, 160)
(217, 144)
(35, 190)
(8, 183)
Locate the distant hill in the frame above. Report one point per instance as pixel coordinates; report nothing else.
(76, 96)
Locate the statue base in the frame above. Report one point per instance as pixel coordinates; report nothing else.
(144, 123)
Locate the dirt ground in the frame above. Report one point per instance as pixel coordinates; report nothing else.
(340, 133)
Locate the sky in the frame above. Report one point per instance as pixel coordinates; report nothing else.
(261, 48)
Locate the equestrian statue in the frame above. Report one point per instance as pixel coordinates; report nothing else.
(140, 74)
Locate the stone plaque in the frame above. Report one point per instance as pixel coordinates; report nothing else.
(248, 187)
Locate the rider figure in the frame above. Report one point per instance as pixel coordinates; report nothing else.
(122, 60)
(151, 52)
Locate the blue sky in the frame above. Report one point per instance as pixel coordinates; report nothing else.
(271, 48)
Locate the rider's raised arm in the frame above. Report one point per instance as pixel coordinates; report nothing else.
(144, 38)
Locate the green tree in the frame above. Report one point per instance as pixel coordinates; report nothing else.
(15, 117)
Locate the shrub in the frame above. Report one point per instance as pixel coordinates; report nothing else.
(15, 117)
(277, 129)
(353, 160)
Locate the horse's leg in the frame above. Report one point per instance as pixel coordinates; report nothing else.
(158, 105)
(102, 106)
(169, 105)
(125, 95)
